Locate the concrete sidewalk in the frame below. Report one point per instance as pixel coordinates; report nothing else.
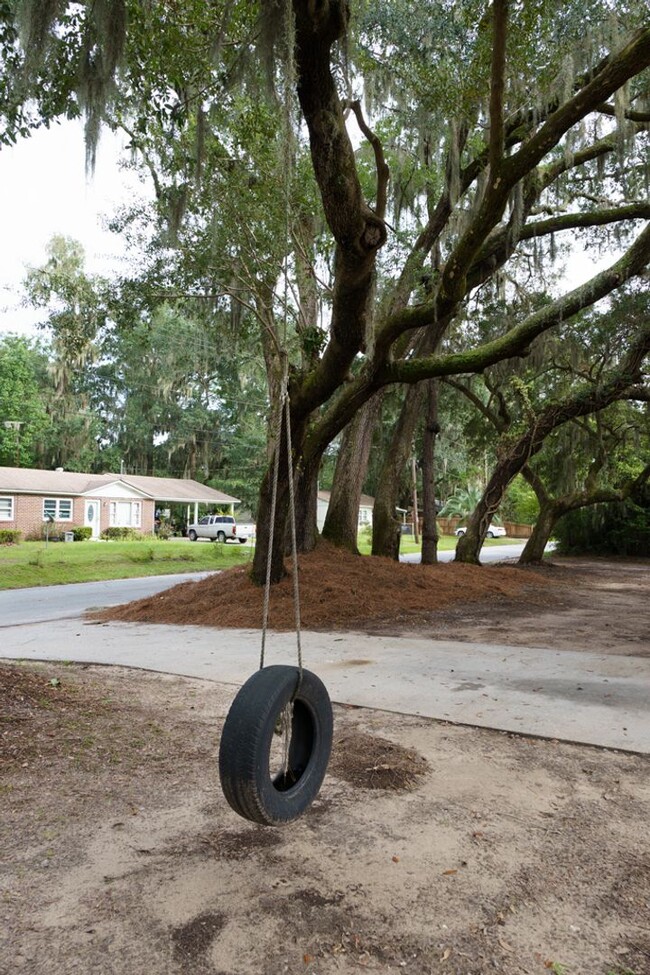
(574, 696)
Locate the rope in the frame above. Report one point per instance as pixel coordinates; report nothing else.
(285, 408)
(285, 405)
(294, 544)
(274, 498)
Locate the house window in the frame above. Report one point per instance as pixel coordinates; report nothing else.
(6, 509)
(125, 514)
(60, 509)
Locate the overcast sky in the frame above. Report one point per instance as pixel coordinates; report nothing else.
(44, 191)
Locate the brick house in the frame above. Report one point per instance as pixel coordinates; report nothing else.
(29, 498)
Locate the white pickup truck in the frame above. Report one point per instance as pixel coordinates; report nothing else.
(220, 528)
(246, 532)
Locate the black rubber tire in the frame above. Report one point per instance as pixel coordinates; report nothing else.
(221, 537)
(245, 748)
(192, 536)
(489, 535)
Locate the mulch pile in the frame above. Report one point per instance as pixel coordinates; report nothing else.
(338, 590)
(372, 762)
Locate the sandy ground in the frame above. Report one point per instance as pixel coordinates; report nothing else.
(431, 848)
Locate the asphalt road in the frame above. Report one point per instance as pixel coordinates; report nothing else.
(489, 553)
(44, 603)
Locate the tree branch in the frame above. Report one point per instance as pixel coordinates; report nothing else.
(453, 284)
(476, 401)
(383, 172)
(515, 342)
(497, 249)
(629, 114)
(497, 84)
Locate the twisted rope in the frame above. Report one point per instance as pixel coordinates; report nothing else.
(285, 405)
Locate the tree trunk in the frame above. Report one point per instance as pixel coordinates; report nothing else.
(263, 528)
(429, 510)
(258, 573)
(470, 544)
(306, 498)
(533, 552)
(342, 520)
(552, 509)
(386, 529)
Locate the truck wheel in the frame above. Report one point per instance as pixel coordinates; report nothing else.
(221, 537)
(192, 535)
(248, 783)
(241, 541)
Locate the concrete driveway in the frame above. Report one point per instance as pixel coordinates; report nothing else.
(574, 696)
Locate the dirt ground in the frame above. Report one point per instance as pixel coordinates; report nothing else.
(431, 848)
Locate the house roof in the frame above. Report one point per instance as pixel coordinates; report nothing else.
(365, 500)
(24, 480)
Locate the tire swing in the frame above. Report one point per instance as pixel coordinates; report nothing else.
(277, 737)
(278, 702)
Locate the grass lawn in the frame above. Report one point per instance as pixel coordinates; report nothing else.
(34, 564)
(446, 543)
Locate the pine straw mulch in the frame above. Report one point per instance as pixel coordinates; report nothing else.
(338, 590)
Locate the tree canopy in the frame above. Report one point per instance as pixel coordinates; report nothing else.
(362, 180)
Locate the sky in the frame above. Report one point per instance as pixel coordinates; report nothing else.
(44, 191)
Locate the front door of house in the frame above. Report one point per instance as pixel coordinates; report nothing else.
(91, 516)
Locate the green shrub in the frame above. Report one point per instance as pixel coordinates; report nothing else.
(82, 533)
(9, 536)
(121, 534)
(618, 528)
(520, 503)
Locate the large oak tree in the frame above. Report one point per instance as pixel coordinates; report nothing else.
(506, 125)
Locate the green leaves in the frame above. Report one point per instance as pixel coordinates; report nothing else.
(23, 416)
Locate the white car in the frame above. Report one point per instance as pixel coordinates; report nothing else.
(494, 531)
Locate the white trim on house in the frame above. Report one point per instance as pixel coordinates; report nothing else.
(117, 489)
(125, 514)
